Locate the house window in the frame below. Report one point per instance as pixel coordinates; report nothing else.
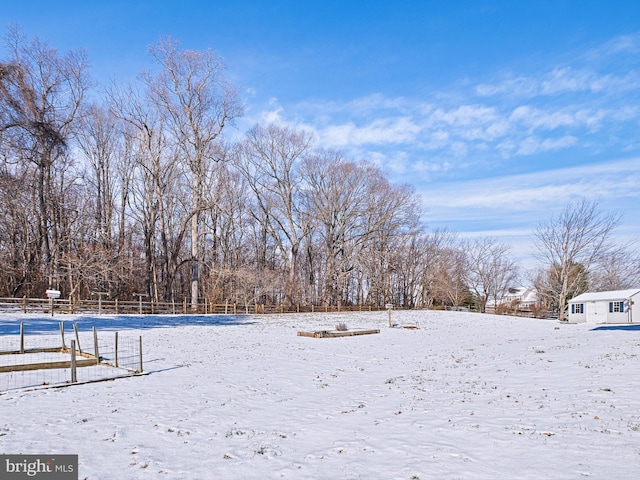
(616, 307)
(577, 308)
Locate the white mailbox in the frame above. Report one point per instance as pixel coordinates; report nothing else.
(53, 293)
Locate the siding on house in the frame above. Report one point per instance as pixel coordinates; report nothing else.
(521, 298)
(615, 306)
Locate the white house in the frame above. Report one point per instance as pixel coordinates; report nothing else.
(520, 299)
(605, 307)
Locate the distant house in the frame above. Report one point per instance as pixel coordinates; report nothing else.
(522, 297)
(515, 299)
(605, 307)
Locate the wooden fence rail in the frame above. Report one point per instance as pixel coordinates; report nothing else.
(102, 306)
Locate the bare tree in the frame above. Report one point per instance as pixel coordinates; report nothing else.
(153, 192)
(617, 269)
(449, 284)
(230, 263)
(392, 218)
(490, 270)
(199, 102)
(41, 93)
(337, 198)
(433, 253)
(570, 245)
(98, 139)
(18, 232)
(270, 160)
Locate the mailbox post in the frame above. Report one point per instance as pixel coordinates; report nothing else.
(51, 295)
(389, 308)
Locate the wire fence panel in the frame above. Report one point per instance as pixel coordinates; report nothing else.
(46, 360)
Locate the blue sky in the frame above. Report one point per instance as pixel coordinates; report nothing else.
(497, 112)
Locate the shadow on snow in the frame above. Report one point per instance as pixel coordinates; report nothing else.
(47, 324)
(617, 327)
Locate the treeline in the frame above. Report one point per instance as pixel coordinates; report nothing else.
(141, 191)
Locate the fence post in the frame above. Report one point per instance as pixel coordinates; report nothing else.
(74, 377)
(140, 350)
(75, 328)
(95, 345)
(116, 306)
(24, 304)
(21, 337)
(116, 349)
(64, 346)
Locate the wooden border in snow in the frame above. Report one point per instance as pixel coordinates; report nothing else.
(336, 333)
(33, 350)
(46, 365)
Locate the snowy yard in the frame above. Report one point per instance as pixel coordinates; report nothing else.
(465, 396)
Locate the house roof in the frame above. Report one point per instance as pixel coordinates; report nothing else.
(523, 294)
(529, 295)
(610, 295)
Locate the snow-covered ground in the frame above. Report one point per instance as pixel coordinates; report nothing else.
(465, 396)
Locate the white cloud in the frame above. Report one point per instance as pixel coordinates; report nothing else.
(623, 44)
(535, 118)
(337, 135)
(583, 108)
(361, 107)
(467, 123)
(431, 166)
(508, 131)
(532, 144)
(511, 206)
(435, 140)
(567, 79)
(468, 133)
(376, 102)
(394, 130)
(561, 80)
(539, 190)
(465, 115)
